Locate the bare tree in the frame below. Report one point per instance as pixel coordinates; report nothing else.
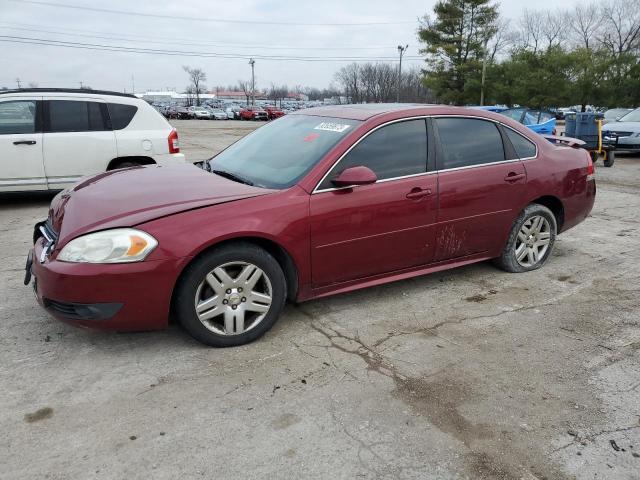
(197, 78)
(245, 87)
(531, 26)
(502, 39)
(348, 77)
(622, 26)
(584, 23)
(554, 26)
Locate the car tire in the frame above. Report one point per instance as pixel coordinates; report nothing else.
(530, 240)
(231, 312)
(609, 158)
(126, 164)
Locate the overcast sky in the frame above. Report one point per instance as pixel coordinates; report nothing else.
(155, 25)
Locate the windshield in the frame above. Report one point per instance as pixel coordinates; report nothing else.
(631, 116)
(280, 153)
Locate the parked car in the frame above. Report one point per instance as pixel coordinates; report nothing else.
(624, 133)
(321, 202)
(233, 112)
(539, 121)
(178, 112)
(614, 114)
(273, 112)
(217, 114)
(253, 113)
(199, 113)
(50, 138)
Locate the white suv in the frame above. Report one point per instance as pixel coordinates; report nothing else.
(50, 138)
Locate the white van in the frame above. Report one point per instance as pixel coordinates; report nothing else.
(50, 138)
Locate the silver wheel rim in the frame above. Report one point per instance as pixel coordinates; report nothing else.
(233, 298)
(533, 241)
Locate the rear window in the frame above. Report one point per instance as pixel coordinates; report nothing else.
(75, 116)
(121, 114)
(523, 147)
(466, 142)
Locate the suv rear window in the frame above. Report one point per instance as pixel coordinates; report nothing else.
(121, 114)
(74, 116)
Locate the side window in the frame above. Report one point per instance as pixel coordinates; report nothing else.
(75, 116)
(121, 115)
(392, 151)
(466, 142)
(17, 117)
(523, 147)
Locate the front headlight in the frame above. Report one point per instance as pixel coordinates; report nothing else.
(120, 245)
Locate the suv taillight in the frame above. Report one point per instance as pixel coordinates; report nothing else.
(174, 145)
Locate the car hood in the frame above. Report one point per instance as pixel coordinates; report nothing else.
(131, 196)
(622, 127)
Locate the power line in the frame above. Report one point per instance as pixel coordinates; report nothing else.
(205, 19)
(118, 48)
(176, 41)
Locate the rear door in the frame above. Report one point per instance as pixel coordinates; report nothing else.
(386, 226)
(21, 166)
(78, 140)
(481, 186)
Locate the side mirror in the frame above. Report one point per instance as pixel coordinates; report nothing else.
(355, 176)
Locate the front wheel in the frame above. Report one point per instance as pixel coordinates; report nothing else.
(609, 158)
(231, 295)
(530, 241)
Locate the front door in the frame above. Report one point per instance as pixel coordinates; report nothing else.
(21, 166)
(480, 190)
(386, 226)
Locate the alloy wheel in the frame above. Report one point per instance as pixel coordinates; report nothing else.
(233, 298)
(533, 241)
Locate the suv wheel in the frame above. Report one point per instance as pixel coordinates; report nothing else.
(231, 295)
(530, 241)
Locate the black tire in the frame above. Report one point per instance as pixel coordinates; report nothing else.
(610, 158)
(507, 260)
(196, 272)
(126, 164)
(594, 156)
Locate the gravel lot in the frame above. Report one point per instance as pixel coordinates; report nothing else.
(466, 374)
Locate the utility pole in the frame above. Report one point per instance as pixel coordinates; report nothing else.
(401, 51)
(252, 62)
(484, 72)
(81, 86)
(133, 85)
(18, 81)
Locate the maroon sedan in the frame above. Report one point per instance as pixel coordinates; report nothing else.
(316, 203)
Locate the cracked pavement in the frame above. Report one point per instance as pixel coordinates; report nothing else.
(470, 373)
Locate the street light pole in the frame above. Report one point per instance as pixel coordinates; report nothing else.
(252, 62)
(401, 51)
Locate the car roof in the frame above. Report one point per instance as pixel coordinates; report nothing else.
(67, 90)
(366, 111)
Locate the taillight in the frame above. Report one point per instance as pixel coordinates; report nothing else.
(174, 145)
(591, 170)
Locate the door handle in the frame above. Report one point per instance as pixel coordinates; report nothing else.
(514, 177)
(418, 193)
(25, 142)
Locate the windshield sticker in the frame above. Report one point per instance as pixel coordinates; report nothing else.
(311, 137)
(332, 127)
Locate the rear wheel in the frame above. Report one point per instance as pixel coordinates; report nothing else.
(609, 158)
(126, 164)
(530, 241)
(231, 295)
